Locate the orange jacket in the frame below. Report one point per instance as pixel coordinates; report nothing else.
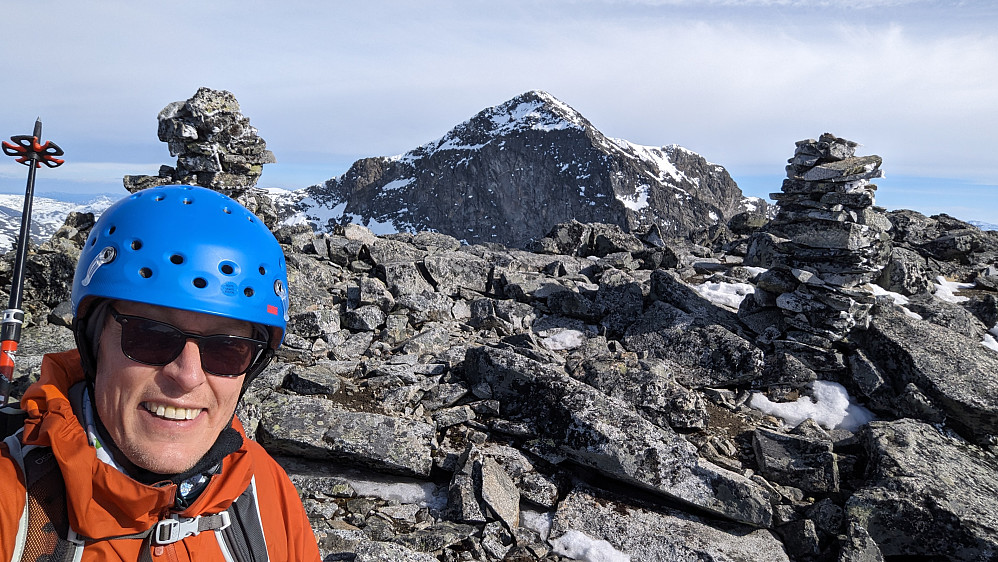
(103, 502)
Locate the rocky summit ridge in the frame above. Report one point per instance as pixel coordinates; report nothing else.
(615, 395)
(511, 172)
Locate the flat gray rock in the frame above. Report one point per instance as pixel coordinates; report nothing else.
(956, 372)
(318, 428)
(929, 496)
(661, 535)
(607, 435)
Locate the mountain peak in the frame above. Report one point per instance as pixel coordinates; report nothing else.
(514, 170)
(537, 109)
(533, 110)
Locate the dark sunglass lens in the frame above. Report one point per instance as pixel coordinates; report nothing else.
(228, 355)
(148, 341)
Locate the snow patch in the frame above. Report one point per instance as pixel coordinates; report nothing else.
(637, 201)
(657, 156)
(898, 298)
(455, 143)
(726, 294)
(398, 184)
(752, 204)
(537, 521)
(832, 407)
(946, 290)
(580, 546)
(561, 338)
(423, 494)
(379, 228)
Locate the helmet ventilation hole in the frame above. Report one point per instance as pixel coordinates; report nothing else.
(176, 259)
(226, 269)
(263, 270)
(145, 273)
(111, 230)
(159, 198)
(187, 201)
(248, 291)
(227, 210)
(200, 283)
(136, 244)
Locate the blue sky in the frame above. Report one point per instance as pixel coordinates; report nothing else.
(325, 83)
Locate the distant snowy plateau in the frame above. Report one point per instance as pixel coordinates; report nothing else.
(47, 215)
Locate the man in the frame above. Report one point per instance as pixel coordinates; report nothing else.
(179, 301)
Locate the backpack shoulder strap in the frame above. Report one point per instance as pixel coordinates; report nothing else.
(13, 443)
(43, 531)
(244, 540)
(11, 420)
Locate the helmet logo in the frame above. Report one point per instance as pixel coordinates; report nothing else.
(105, 256)
(281, 291)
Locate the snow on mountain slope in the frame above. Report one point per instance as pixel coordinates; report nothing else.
(47, 215)
(512, 171)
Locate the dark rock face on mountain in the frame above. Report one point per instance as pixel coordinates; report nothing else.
(214, 144)
(609, 396)
(513, 171)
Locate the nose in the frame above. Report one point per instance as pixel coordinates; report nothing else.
(186, 369)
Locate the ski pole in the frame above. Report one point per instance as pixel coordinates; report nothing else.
(29, 152)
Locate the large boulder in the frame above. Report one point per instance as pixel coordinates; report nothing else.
(929, 496)
(317, 428)
(954, 372)
(606, 435)
(655, 534)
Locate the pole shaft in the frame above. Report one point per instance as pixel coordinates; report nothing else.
(17, 278)
(10, 330)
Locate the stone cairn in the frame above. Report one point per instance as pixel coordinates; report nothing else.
(214, 144)
(831, 239)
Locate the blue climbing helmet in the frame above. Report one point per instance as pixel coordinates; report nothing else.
(186, 247)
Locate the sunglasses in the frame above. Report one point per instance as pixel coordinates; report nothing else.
(157, 343)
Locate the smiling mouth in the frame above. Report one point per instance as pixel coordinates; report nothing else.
(171, 413)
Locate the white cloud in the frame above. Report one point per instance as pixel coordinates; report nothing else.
(738, 82)
(851, 4)
(83, 172)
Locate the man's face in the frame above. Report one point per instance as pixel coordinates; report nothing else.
(164, 419)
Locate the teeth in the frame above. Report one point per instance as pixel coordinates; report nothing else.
(171, 413)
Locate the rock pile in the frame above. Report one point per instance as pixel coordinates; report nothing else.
(827, 210)
(827, 239)
(437, 401)
(214, 144)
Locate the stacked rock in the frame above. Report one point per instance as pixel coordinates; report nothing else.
(214, 144)
(829, 239)
(827, 211)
